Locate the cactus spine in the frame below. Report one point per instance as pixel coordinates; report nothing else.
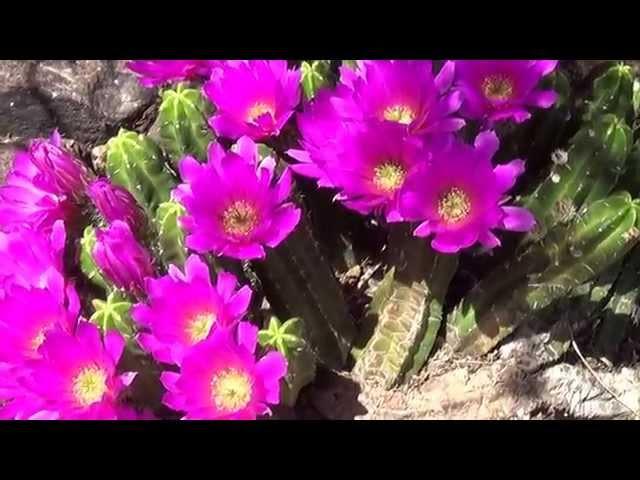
(170, 237)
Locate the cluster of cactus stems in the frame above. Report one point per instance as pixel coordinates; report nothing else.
(587, 223)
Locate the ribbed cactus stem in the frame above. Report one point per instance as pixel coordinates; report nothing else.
(136, 163)
(613, 93)
(577, 253)
(408, 306)
(170, 235)
(315, 75)
(298, 282)
(182, 122)
(114, 314)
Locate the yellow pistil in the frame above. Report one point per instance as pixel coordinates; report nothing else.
(389, 176)
(399, 113)
(454, 206)
(231, 390)
(497, 88)
(200, 326)
(240, 219)
(257, 109)
(89, 385)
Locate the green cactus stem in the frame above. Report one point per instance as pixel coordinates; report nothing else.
(135, 162)
(171, 243)
(87, 264)
(613, 93)
(408, 306)
(592, 168)
(568, 257)
(288, 339)
(182, 120)
(298, 282)
(315, 75)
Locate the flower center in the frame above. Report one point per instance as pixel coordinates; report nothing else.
(454, 205)
(240, 219)
(231, 390)
(200, 326)
(497, 88)
(38, 340)
(89, 385)
(399, 113)
(257, 109)
(389, 176)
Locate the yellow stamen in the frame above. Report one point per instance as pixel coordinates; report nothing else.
(389, 176)
(497, 88)
(399, 113)
(240, 219)
(231, 390)
(200, 326)
(38, 340)
(90, 385)
(257, 109)
(454, 206)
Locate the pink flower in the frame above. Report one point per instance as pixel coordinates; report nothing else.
(459, 196)
(232, 207)
(252, 97)
(76, 378)
(220, 378)
(184, 308)
(404, 92)
(496, 90)
(121, 258)
(153, 73)
(116, 203)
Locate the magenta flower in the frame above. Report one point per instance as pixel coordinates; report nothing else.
(496, 90)
(121, 258)
(458, 196)
(372, 168)
(76, 378)
(323, 132)
(28, 197)
(404, 92)
(153, 73)
(33, 258)
(232, 207)
(221, 380)
(252, 97)
(184, 308)
(62, 169)
(116, 203)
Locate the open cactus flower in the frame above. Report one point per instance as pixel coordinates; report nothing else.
(148, 281)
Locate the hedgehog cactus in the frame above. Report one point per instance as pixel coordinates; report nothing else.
(171, 244)
(613, 92)
(569, 256)
(182, 120)
(408, 307)
(135, 162)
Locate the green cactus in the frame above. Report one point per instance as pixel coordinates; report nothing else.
(171, 236)
(113, 314)
(569, 256)
(594, 164)
(288, 339)
(408, 306)
(315, 75)
(183, 128)
(298, 282)
(135, 162)
(87, 264)
(612, 93)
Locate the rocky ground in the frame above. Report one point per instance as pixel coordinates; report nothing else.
(88, 101)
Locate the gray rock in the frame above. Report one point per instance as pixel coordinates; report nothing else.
(88, 100)
(7, 151)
